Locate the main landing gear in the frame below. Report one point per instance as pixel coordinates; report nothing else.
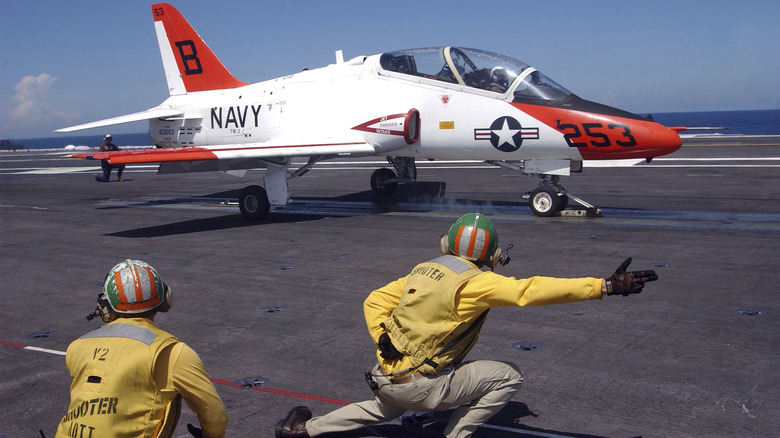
(253, 202)
(384, 181)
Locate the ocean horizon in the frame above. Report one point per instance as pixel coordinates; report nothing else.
(745, 122)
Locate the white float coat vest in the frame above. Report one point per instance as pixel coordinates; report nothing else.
(113, 393)
(426, 326)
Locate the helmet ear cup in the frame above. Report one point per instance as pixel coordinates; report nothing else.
(445, 244)
(167, 299)
(494, 260)
(107, 314)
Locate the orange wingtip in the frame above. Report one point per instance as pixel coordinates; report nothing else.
(163, 156)
(151, 155)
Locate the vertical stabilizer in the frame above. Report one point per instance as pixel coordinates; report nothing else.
(189, 63)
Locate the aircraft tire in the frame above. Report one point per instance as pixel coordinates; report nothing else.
(544, 202)
(379, 184)
(253, 203)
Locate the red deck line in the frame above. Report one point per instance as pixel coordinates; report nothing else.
(220, 381)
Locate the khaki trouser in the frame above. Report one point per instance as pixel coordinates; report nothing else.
(477, 390)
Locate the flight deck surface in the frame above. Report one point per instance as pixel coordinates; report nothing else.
(274, 308)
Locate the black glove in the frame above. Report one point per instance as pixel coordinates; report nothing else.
(626, 283)
(386, 348)
(195, 431)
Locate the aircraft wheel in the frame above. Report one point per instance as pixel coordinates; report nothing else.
(253, 203)
(544, 202)
(379, 184)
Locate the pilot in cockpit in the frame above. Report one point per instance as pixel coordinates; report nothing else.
(499, 79)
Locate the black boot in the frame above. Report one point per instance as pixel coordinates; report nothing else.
(294, 424)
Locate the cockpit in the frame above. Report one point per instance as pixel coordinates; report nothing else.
(477, 69)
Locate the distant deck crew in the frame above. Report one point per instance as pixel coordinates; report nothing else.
(129, 377)
(424, 325)
(105, 165)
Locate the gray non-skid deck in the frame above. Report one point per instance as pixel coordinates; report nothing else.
(279, 302)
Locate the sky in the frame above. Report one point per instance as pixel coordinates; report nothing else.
(66, 63)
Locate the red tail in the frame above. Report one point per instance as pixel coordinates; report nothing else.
(187, 59)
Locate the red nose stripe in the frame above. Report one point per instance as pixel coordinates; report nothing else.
(606, 137)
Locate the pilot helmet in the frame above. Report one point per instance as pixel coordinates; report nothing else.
(134, 286)
(474, 238)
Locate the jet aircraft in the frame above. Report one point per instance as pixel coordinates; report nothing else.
(434, 103)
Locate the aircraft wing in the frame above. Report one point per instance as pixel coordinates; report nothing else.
(127, 118)
(236, 152)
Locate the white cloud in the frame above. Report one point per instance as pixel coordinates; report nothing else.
(31, 111)
(32, 107)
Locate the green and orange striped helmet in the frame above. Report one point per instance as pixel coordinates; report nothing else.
(473, 237)
(133, 286)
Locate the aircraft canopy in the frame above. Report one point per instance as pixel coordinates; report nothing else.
(475, 68)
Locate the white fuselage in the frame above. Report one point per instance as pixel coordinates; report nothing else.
(317, 106)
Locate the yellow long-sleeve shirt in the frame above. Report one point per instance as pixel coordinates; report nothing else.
(177, 370)
(186, 376)
(480, 293)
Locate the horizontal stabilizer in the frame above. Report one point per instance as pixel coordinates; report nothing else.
(127, 118)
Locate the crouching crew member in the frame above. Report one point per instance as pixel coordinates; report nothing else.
(105, 165)
(425, 323)
(129, 377)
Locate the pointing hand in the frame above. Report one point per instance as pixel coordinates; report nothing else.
(626, 283)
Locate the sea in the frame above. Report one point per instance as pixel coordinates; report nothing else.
(751, 122)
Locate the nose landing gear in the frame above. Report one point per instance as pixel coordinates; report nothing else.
(550, 198)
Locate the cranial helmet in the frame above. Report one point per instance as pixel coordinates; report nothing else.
(473, 237)
(133, 286)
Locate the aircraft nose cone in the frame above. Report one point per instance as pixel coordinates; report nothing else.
(631, 139)
(666, 141)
